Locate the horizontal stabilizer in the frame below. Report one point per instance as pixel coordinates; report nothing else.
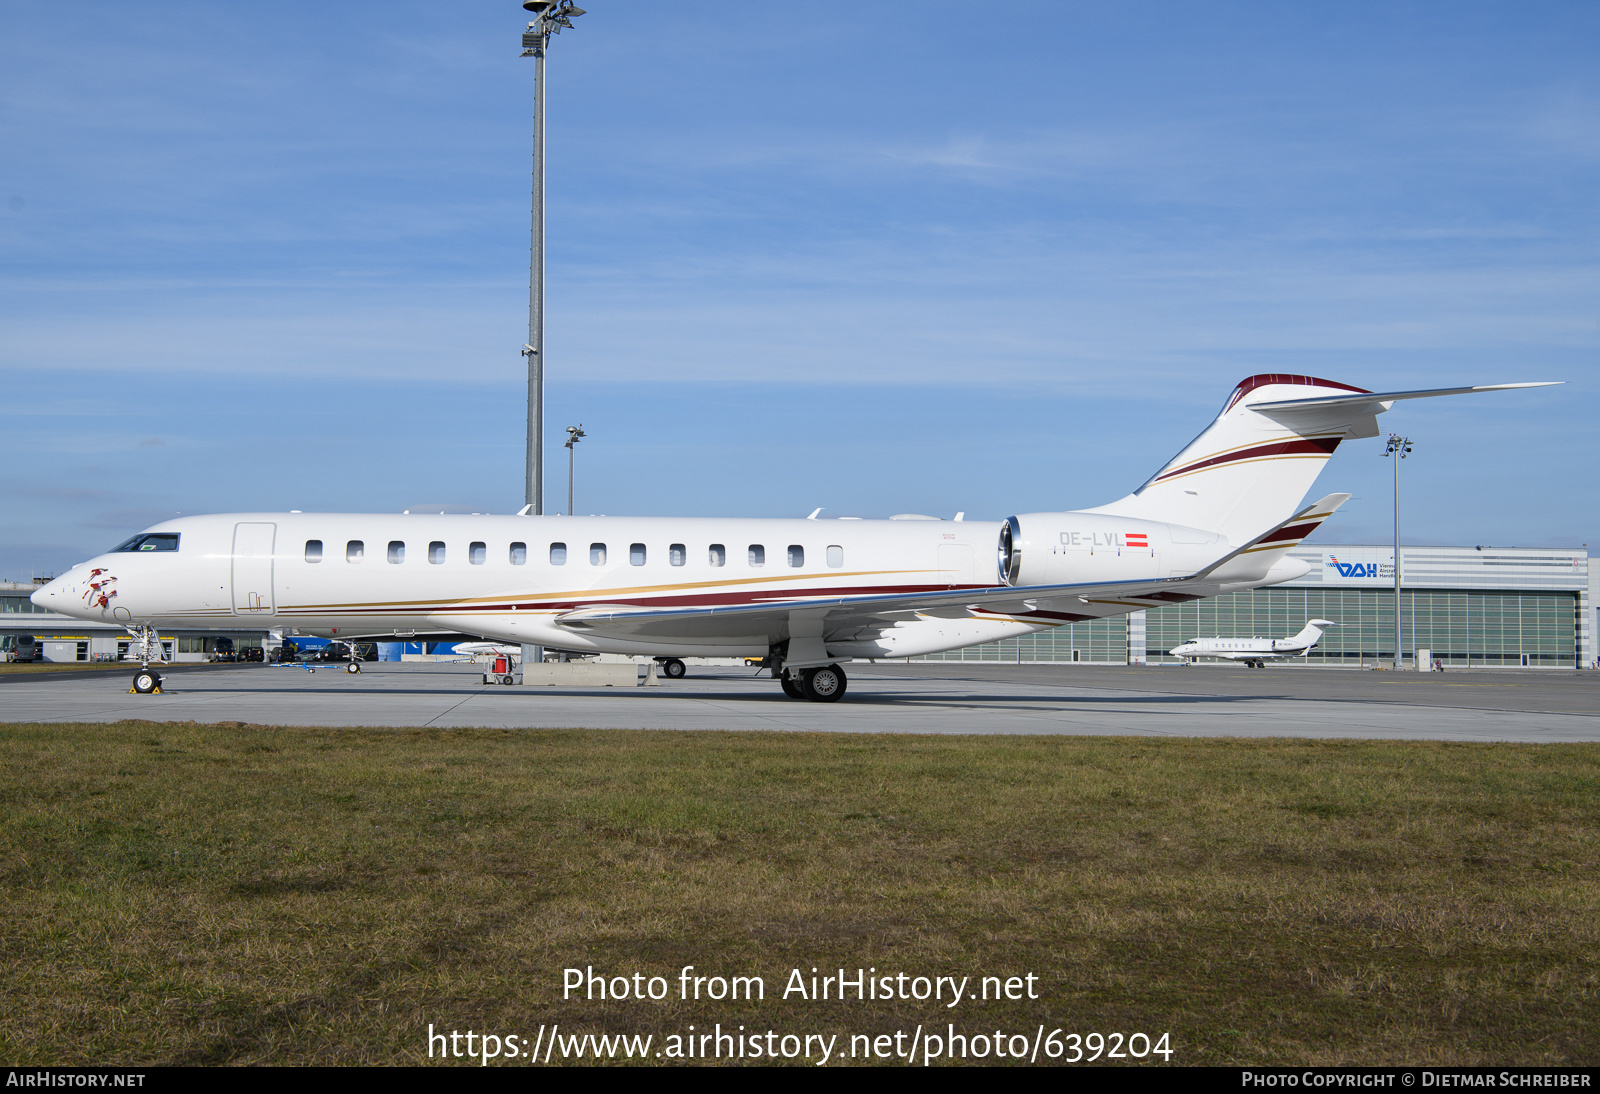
(1380, 400)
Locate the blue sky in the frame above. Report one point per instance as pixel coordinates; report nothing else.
(913, 257)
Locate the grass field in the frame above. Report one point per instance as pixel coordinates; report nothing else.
(250, 894)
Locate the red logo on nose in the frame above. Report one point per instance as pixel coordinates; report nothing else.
(101, 589)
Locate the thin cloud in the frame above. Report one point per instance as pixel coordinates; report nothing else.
(65, 493)
(132, 519)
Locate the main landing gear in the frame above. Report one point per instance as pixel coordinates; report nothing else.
(672, 668)
(824, 684)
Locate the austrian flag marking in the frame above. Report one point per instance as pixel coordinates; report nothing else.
(1136, 539)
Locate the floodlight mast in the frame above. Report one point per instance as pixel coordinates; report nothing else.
(550, 17)
(575, 434)
(1399, 448)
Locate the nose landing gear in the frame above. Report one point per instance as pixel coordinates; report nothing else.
(147, 681)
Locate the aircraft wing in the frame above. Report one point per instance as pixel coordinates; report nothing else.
(848, 617)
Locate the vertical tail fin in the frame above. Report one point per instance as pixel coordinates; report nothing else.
(1254, 464)
(1249, 470)
(1310, 634)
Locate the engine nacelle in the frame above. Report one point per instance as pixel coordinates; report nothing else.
(1065, 548)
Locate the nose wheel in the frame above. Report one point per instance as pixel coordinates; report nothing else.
(146, 682)
(353, 667)
(673, 669)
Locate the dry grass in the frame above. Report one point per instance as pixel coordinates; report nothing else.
(251, 894)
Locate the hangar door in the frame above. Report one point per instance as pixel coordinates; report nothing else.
(252, 568)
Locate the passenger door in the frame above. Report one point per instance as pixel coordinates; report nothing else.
(252, 569)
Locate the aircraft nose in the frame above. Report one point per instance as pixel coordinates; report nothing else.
(49, 597)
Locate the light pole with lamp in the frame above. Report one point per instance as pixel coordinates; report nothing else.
(575, 434)
(1398, 449)
(549, 17)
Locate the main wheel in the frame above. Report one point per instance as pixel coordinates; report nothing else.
(354, 666)
(145, 682)
(673, 669)
(823, 685)
(791, 687)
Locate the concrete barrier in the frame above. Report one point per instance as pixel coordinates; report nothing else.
(590, 674)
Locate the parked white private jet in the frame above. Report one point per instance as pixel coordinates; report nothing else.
(671, 667)
(1256, 652)
(807, 595)
(486, 649)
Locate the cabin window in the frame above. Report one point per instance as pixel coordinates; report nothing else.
(635, 554)
(677, 554)
(477, 553)
(835, 555)
(354, 551)
(313, 550)
(797, 555)
(758, 555)
(436, 553)
(397, 552)
(597, 554)
(558, 554)
(719, 555)
(519, 554)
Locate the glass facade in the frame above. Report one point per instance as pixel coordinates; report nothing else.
(1462, 627)
(1102, 640)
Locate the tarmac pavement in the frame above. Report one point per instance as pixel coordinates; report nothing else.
(1281, 701)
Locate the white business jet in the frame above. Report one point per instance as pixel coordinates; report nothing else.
(486, 649)
(1256, 652)
(807, 595)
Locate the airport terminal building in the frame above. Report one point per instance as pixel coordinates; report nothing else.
(1473, 607)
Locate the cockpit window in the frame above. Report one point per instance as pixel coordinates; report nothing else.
(152, 541)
